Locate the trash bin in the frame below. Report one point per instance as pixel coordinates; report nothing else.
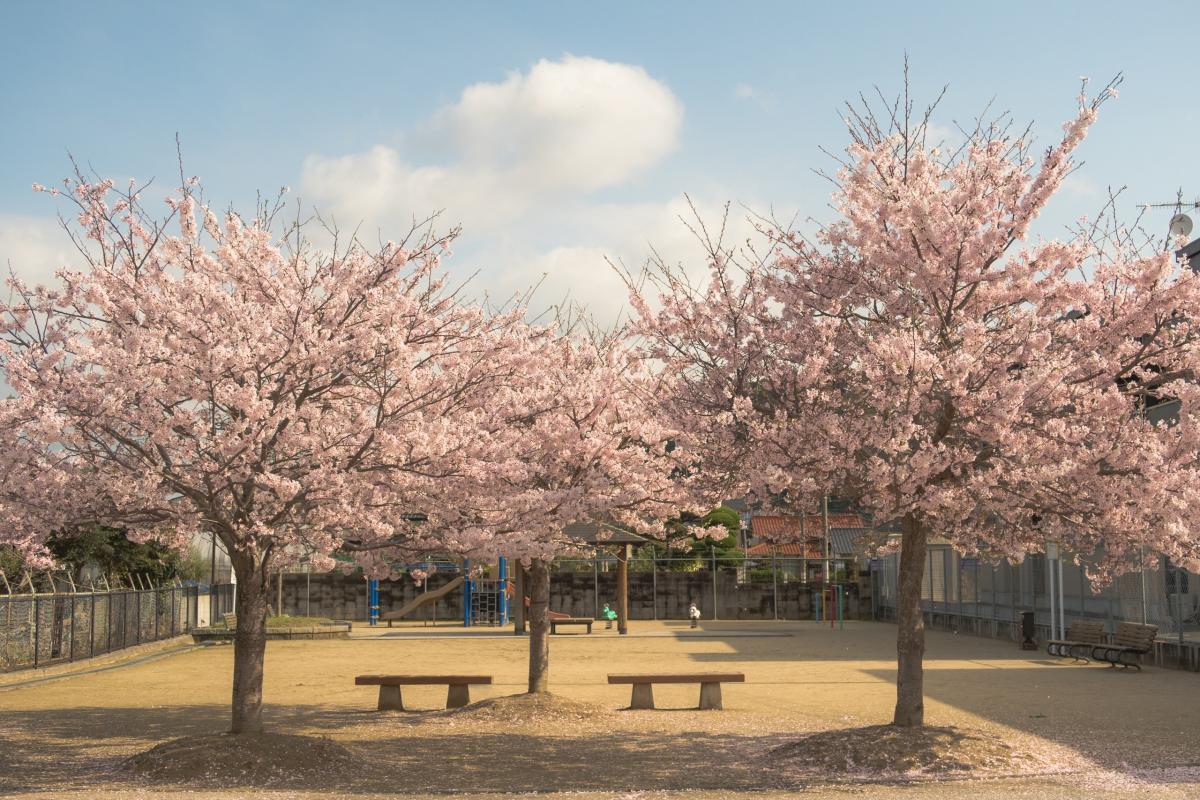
(1028, 632)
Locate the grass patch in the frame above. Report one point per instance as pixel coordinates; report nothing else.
(286, 621)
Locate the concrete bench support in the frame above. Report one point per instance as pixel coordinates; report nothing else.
(643, 696)
(458, 693)
(710, 686)
(390, 699)
(710, 696)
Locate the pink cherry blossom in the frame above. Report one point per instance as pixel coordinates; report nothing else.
(922, 358)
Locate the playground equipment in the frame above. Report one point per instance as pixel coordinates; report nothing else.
(485, 600)
(832, 601)
(422, 600)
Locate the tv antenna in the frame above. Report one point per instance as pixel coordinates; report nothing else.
(1180, 225)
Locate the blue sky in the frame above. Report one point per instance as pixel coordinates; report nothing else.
(360, 109)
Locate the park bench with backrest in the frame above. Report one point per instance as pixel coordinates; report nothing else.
(458, 694)
(1131, 641)
(1082, 636)
(710, 686)
(558, 618)
(230, 619)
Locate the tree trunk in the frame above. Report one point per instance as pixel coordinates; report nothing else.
(249, 643)
(519, 600)
(910, 640)
(539, 627)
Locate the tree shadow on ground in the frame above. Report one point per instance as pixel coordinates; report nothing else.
(83, 747)
(1116, 718)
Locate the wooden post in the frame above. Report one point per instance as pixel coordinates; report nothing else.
(623, 589)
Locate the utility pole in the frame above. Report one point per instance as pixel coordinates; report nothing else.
(825, 523)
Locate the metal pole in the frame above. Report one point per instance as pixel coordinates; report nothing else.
(595, 589)
(71, 646)
(714, 582)
(775, 583)
(92, 626)
(37, 625)
(958, 593)
(654, 582)
(212, 579)
(1062, 628)
(501, 588)
(308, 592)
(825, 524)
(623, 553)
(372, 599)
(1179, 605)
(1082, 593)
(803, 551)
(1051, 592)
(1142, 550)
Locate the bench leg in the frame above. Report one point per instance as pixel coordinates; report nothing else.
(710, 696)
(389, 699)
(643, 696)
(458, 695)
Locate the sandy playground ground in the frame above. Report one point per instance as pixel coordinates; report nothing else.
(1096, 731)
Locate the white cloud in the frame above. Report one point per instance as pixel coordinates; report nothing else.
(34, 247)
(753, 94)
(517, 163)
(600, 235)
(563, 129)
(579, 123)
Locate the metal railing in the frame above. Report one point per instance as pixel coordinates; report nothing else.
(38, 630)
(662, 588)
(971, 595)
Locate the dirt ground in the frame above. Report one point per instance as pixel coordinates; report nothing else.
(1098, 731)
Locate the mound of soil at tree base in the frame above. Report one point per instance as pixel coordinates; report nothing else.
(266, 759)
(539, 710)
(888, 752)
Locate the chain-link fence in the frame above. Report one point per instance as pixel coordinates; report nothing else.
(37, 630)
(973, 596)
(661, 588)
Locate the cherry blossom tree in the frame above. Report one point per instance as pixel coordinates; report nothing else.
(290, 400)
(583, 444)
(924, 357)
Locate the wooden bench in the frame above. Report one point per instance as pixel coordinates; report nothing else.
(1082, 636)
(1131, 640)
(556, 621)
(710, 686)
(458, 695)
(230, 619)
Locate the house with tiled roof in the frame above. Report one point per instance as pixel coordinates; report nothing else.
(800, 541)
